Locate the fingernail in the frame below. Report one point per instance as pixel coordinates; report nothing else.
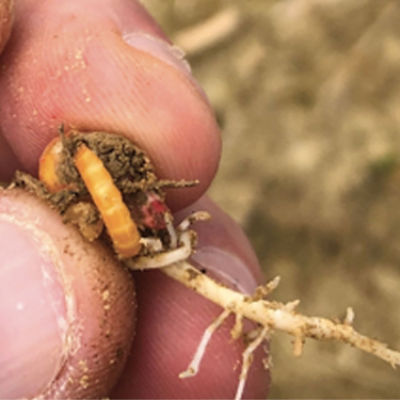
(169, 54)
(226, 267)
(32, 314)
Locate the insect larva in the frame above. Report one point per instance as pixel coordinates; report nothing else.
(108, 200)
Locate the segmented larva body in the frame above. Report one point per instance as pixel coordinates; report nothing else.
(108, 200)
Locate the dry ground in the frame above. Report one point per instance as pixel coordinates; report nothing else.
(308, 96)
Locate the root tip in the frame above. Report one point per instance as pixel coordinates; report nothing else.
(190, 372)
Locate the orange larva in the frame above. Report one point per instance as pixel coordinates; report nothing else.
(108, 200)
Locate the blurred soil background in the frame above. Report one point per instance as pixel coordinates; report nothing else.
(307, 93)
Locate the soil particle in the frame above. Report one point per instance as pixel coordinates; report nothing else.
(193, 274)
(129, 166)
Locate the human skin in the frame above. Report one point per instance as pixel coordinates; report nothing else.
(67, 309)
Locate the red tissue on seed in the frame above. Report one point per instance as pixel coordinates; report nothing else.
(153, 212)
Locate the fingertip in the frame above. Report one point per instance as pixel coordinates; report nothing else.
(72, 298)
(90, 78)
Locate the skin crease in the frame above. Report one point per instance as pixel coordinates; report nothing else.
(86, 75)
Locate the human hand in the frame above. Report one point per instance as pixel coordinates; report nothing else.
(67, 308)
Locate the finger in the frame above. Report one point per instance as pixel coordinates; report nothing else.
(173, 319)
(8, 162)
(66, 307)
(101, 65)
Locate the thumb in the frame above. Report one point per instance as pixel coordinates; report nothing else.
(66, 307)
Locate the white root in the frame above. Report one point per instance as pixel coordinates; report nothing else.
(152, 244)
(208, 33)
(291, 305)
(277, 316)
(349, 318)
(171, 230)
(247, 359)
(201, 348)
(237, 329)
(160, 260)
(263, 291)
(192, 218)
(270, 315)
(184, 238)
